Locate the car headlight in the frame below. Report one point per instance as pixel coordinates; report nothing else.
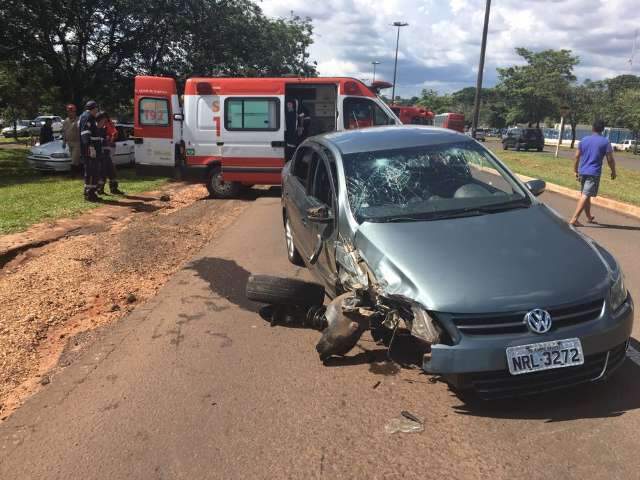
(59, 155)
(424, 326)
(618, 293)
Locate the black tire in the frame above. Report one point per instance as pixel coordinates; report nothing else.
(505, 146)
(292, 252)
(284, 291)
(220, 189)
(540, 149)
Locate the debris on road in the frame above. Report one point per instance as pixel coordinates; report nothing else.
(405, 423)
(91, 275)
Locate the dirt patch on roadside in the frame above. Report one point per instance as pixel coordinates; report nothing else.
(54, 296)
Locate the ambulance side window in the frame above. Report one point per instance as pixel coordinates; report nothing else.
(154, 111)
(363, 112)
(252, 114)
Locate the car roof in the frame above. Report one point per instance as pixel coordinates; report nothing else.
(392, 137)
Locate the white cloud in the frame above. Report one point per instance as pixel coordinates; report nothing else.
(441, 45)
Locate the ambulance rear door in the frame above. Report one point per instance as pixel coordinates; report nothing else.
(157, 127)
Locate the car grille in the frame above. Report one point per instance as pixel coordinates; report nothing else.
(501, 384)
(513, 322)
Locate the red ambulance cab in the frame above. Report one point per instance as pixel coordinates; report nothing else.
(413, 115)
(231, 132)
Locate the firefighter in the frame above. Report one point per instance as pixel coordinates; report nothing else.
(91, 149)
(108, 170)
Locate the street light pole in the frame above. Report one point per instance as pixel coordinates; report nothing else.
(395, 63)
(483, 48)
(374, 63)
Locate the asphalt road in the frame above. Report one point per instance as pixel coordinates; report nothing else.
(623, 159)
(195, 384)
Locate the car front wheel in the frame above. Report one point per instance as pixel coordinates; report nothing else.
(292, 252)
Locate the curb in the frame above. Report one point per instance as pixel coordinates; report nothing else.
(618, 207)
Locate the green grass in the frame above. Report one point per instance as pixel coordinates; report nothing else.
(625, 188)
(28, 197)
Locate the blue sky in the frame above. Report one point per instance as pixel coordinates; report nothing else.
(440, 47)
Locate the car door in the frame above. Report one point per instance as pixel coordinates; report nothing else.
(121, 153)
(322, 235)
(296, 198)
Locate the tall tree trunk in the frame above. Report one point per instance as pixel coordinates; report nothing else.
(573, 134)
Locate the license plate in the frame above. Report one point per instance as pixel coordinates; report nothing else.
(544, 356)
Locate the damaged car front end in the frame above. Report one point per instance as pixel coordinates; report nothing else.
(422, 231)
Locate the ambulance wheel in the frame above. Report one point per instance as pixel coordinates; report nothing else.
(218, 188)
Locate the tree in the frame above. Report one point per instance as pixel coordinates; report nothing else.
(580, 101)
(536, 90)
(95, 48)
(430, 98)
(628, 104)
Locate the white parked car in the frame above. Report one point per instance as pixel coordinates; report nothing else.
(22, 128)
(38, 122)
(52, 157)
(629, 145)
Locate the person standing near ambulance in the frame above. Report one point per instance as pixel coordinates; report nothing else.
(109, 132)
(71, 137)
(90, 150)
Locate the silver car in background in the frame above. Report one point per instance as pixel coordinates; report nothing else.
(53, 157)
(426, 230)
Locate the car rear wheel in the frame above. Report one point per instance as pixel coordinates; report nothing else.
(505, 146)
(292, 252)
(218, 188)
(284, 291)
(539, 149)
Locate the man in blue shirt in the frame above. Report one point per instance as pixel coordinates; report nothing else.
(588, 167)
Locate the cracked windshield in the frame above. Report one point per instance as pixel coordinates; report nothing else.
(426, 182)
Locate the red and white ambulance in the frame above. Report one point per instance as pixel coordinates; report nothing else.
(234, 132)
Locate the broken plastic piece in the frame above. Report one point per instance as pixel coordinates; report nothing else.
(345, 326)
(405, 423)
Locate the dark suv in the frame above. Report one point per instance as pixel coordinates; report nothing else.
(523, 138)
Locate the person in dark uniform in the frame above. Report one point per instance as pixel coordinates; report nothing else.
(297, 123)
(109, 133)
(46, 132)
(91, 149)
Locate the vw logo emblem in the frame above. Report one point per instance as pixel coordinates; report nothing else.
(538, 321)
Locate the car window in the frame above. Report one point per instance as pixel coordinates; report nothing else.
(321, 184)
(426, 180)
(363, 112)
(301, 165)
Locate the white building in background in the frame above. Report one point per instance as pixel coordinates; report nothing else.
(616, 136)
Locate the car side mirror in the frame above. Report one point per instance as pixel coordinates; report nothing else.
(537, 187)
(320, 214)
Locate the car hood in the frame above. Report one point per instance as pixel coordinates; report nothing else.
(49, 148)
(513, 260)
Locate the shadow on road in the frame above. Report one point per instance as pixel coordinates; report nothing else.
(137, 206)
(611, 226)
(252, 194)
(225, 278)
(613, 398)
